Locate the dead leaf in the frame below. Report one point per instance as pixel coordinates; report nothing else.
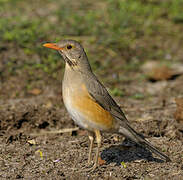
(101, 161)
(32, 142)
(123, 164)
(39, 153)
(35, 91)
(160, 73)
(157, 72)
(48, 105)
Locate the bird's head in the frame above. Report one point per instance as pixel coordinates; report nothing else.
(71, 51)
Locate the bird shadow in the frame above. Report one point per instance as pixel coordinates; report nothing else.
(128, 151)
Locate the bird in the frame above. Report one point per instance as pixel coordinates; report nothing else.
(89, 103)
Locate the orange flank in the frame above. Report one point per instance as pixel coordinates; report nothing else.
(92, 110)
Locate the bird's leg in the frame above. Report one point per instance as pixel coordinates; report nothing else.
(91, 139)
(98, 139)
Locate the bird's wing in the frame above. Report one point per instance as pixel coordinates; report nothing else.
(102, 97)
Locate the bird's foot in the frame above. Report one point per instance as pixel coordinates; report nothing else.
(90, 168)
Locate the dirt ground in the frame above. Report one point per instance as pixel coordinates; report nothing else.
(120, 37)
(28, 151)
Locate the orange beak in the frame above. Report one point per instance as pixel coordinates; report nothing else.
(53, 46)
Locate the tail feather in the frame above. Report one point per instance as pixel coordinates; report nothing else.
(130, 133)
(154, 150)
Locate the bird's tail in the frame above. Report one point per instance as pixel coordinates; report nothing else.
(130, 133)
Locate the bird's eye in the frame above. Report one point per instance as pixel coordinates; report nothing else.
(69, 47)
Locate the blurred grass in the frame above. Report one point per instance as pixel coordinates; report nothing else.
(121, 34)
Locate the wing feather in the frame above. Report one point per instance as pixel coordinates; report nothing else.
(103, 98)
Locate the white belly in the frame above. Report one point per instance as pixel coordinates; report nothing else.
(77, 116)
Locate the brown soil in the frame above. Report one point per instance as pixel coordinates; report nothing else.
(64, 155)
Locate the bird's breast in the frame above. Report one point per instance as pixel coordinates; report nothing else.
(83, 109)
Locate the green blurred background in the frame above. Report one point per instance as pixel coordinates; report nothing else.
(119, 36)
